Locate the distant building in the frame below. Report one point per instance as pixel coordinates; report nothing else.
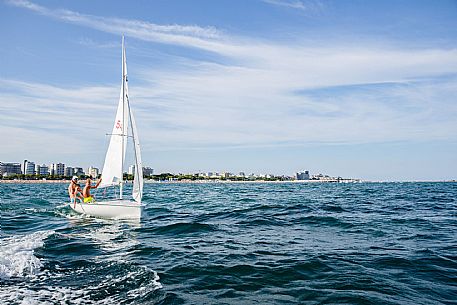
(93, 172)
(42, 170)
(23, 166)
(241, 174)
(58, 169)
(69, 171)
(226, 175)
(303, 175)
(147, 171)
(79, 171)
(7, 169)
(28, 167)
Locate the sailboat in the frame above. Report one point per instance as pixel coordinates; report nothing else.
(113, 168)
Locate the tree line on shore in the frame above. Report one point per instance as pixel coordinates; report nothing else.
(159, 177)
(194, 177)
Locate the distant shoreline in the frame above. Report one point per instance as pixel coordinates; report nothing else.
(177, 181)
(219, 181)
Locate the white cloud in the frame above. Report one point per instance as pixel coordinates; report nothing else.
(264, 97)
(185, 35)
(53, 118)
(219, 105)
(309, 6)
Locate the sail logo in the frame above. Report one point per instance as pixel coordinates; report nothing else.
(119, 125)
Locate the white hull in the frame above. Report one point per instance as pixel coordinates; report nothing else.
(117, 209)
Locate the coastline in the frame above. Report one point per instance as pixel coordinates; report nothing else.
(226, 181)
(182, 181)
(33, 181)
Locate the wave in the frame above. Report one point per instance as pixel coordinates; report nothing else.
(320, 220)
(184, 228)
(140, 283)
(106, 279)
(17, 257)
(333, 208)
(259, 221)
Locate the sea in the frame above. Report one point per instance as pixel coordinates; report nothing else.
(235, 243)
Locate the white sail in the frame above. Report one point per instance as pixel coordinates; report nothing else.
(112, 173)
(137, 193)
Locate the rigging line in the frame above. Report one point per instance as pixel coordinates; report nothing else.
(80, 204)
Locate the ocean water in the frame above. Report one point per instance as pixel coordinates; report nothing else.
(368, 243)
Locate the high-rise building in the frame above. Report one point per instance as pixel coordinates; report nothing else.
(42, 170)
(93, 172)
(23, 166)
(303, 175)
(58, 169)
(69, 171)
(7, 169)
(28, 167)
(131, 170)
(147, 171)
(79, 171)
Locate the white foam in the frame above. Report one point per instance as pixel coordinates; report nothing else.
(17, 257)
(64, 205)
(109, 238)
(75, 295)
(48, 295)
(154, 284)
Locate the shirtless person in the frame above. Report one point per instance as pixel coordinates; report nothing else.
(86, 192)
(79, 192)
(74, 190)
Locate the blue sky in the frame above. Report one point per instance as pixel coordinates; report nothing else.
(361, 89)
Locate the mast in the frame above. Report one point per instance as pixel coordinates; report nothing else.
(121, 186)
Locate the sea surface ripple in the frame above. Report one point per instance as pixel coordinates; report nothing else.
(240, 243)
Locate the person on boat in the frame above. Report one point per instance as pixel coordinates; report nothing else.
(74, 190)
(79, 192)
(86, 192)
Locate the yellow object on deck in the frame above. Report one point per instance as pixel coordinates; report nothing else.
(88, 199)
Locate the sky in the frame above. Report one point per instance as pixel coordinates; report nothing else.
(358, 89)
